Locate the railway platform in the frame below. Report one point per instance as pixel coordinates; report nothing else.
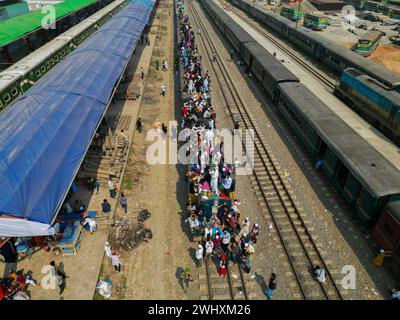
(83, 277)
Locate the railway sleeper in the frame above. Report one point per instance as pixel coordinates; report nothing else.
(221, 297)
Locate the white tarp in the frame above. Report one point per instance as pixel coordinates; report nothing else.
(11, 227)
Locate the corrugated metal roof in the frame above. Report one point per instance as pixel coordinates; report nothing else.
(45, 134)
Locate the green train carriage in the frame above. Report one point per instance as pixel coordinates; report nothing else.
(291, 13)
(18, 78)
(315, 21)
(368, 43)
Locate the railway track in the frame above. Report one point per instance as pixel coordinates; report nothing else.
(286, 49)
(302, 252)
(231, 286)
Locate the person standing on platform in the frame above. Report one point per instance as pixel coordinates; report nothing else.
(124, 203)
(111, 188)
(97, 185)
(142, 73)
(163, 90)
(106, 206)
(59, 276)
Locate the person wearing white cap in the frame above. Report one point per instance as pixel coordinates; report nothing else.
(199, 255)
(254, 232)
(226, 238)
(245, 226)
(209, 247)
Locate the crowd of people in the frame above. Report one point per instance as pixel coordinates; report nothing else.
(214, 214)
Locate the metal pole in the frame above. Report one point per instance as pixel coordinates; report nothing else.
(298, 9)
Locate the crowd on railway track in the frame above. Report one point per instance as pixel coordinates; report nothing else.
(213, 210)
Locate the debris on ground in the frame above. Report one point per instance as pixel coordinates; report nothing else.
(126, 237)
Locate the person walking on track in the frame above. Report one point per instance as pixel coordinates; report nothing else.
(142, 72)
(163, 90)
(271, 285)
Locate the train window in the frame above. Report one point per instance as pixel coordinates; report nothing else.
(48, 65)
(38, 73)
(342, 174)
(52, 61)
(14, 91)
(43, 69)
(7, 97)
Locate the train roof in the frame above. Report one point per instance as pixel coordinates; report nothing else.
(28, 63)
(14, 28)
(389, 78)
(373, 170)
(273, 66)
(235, 28)
(371, 35)
(309, 34)
(394, 208)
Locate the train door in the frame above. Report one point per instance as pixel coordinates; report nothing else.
(341, 175)
(321, 149)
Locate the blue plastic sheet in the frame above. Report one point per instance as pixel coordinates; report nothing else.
(45, 134)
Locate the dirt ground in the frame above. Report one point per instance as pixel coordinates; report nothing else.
(387, 55)
(150, 270)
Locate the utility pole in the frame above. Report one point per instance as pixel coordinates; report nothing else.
(298, 10)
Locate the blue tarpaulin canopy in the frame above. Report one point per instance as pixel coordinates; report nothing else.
(44, 135)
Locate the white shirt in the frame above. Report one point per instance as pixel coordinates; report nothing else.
(207, 232)
(226, 238)
(110, 185)
(209, 246)
(107, 250)
(199, 253)
(115, 260)
(321, 275)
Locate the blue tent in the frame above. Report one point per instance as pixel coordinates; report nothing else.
(45, 134)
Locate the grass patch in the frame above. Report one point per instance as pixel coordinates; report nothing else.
(127, 182)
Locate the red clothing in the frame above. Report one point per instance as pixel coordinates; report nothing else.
(21, 279)
(184, 111)
(222, 270)
(217, 242)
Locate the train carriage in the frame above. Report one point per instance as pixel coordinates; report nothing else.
(315, 21)
(374, 101)
(231, 30)
(279, 24)
(387, 229)
(336, 57)
(266, 68)
(395, 14)
(364, 177)
(368, 42)
(19, 77)
(292, 13)
(306, 40)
